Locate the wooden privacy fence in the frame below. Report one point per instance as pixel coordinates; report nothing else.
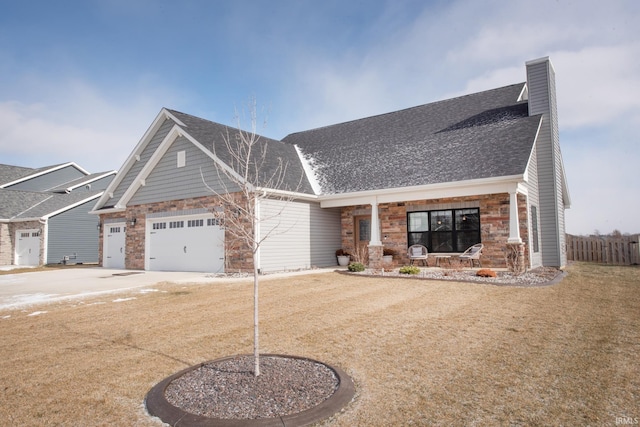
(623, 250)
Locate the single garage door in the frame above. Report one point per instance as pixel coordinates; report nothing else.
(28, 247)
(191, 243)
(114, 245)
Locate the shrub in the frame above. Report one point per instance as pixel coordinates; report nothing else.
(409, 269)
(356, 266)
(486, 272)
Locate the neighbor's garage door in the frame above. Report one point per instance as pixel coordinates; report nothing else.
(193, 243)
(28, 247)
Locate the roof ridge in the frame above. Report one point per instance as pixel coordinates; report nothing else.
(402, 110)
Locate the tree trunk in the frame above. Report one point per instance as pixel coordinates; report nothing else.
(256, 338)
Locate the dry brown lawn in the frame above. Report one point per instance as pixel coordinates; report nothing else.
(420, 352)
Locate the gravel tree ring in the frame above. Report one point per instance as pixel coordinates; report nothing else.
(161, 403)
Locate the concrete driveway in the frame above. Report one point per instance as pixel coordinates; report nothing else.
(24, 289)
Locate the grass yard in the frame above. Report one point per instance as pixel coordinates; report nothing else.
(420, 352)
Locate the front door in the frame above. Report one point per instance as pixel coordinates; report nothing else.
(362, 235)
(114, 244)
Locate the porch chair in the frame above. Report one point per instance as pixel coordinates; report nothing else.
(473, 254)
(418, 253)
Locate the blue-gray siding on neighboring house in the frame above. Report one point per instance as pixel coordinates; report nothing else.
(101, 184)
(167, 181)
(49, 180)
(146, 154)
(73, 232)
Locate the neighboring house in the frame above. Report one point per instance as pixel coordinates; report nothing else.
(44, 214)
(484, 167)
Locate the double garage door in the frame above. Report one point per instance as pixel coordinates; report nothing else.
(188, 243)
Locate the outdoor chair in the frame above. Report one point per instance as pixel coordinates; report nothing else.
(418, 253)
(473, 254)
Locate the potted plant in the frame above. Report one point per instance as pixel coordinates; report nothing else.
(343, 257)
(387, 255)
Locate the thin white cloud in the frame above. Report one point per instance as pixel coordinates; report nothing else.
(76, 122)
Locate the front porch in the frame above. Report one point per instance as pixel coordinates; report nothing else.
(502, 227)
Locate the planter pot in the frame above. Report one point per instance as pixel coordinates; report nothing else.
(387, 259)
(343, 260)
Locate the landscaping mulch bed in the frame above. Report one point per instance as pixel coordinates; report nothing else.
(228, 388)
(535, 277)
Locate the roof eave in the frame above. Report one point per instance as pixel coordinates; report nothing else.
(474, 187)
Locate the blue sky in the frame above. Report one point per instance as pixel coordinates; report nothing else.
(82, 80)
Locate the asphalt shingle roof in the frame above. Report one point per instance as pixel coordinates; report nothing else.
(482, 135)
(212, 136)
(9, 173)
(15, 204)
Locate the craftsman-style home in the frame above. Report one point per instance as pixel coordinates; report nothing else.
(480, 168)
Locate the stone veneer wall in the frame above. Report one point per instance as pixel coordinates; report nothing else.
(237, 256)
(494, 224)
(6, 244)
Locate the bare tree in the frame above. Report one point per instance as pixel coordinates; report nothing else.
(248, 174)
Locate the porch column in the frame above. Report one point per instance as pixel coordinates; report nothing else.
(375, 244)
(514, 222)
(375, 225)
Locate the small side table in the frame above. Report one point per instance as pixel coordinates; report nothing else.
(441, 257)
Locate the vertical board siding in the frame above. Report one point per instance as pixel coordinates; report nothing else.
(146, 154)
(288, 245)
(50, 180)
(73, 232)
(326, 235)
(169, 182)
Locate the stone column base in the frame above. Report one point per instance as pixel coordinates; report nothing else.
(515, 258)
(375, 256)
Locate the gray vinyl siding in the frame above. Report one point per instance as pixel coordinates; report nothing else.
(49, 180)
(132, 173)
(288, 246)
(101, 184)
(533, 200)
(306, 235)
(325, 235)
(541, 86)
(169, 182)
(73, 232)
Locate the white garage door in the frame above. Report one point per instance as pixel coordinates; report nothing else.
(28, 247)
(191, 243)
(114, 241)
